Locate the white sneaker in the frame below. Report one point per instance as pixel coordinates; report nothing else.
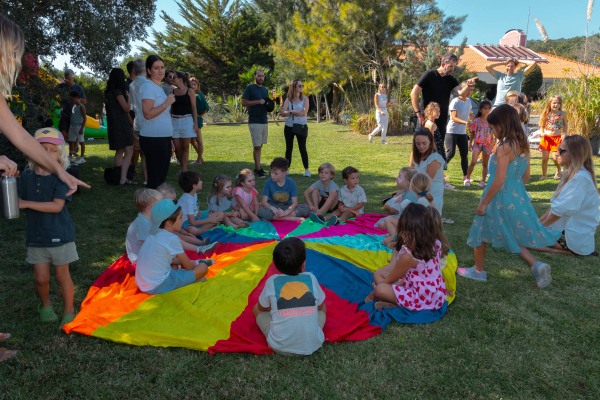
(384, 142)
(370, 138)
(80, 160)
(467, 182)
(307, 173)
(447, 185)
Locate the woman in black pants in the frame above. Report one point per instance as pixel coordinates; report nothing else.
(295, 109)
(157, 132)
(456, 131)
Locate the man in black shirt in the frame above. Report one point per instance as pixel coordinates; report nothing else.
(437, 85)
(254, 98)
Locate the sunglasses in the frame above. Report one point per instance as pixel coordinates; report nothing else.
(560, 151)
(299, 86)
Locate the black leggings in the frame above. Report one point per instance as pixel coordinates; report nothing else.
(289, 146)
(158, 158)
(452, 140)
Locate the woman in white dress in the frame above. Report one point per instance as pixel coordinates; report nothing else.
(381, 115)
(575, 207)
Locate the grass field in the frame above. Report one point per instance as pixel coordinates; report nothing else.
(500, 339)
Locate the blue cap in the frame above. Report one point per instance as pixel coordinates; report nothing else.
(161, 211)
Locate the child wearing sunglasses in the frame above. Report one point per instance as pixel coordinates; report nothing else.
(246, 195)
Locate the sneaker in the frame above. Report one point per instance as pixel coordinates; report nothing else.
(307, 173)
(370, 138)
(481, 184)
(71, 159)
(174, 159)
(541, 272)
(333, 221)
(80, 160)
(384, 142)
(467, 182)
(207, 248)
(472, 273)
(318, 219)
(447, 185)
(207, 261)
(259, 173)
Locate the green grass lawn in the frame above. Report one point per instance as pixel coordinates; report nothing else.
(500, 339)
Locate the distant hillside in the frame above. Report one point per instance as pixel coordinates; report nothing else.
(567, 48)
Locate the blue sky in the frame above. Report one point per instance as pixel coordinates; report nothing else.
(486, 22)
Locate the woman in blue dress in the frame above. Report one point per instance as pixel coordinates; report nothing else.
(505, 216)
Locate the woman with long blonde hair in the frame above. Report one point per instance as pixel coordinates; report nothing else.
(575, 206)
(553, 127)
(295, 109)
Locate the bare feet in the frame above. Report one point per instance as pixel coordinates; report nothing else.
(370, 297)
(5, 354)
(384, 304)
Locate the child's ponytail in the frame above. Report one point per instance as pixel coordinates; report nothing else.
(421, 185)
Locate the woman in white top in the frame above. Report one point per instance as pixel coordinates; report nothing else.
(381, 115)
(426, 159)
(575, 207)
(157, 131)
(295, 109)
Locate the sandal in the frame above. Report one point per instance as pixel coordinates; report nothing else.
(195, 162)
(67, 318)
(47, 314)
(5, 354)
(557, 176)
(128, 183)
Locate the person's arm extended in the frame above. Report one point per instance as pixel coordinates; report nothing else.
(462, 91)
(250, 103)
(186, 262)
(414, 99)
(194, 110)
(125, 105)
(308, 198)
(530, 66)
(293, 206)
(456, 119)
(404, 263)
(503, 153)
(50, 207)
(550, 219)
(84, 116)
(432, 168)
(490, 67)
(22, 140)
(242, 204)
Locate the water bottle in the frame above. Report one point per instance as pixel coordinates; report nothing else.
(10, 198)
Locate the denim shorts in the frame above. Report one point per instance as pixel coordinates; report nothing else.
(175, 280)
(186, 223)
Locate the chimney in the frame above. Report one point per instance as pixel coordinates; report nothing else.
(514, 37)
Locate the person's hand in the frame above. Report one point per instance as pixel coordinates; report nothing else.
(480, 209)
(471, 82)
(313, 208)
(398, 192)
(261, 101)
(9, 167)
(237, 214)
(170, 100)
(470, 146)
(382, 114)
(342, 208)
(421, 119)
(279, 213)
(254, 218)
(397, 200)
(71, 181)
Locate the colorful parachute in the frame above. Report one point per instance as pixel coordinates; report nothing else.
(216, 316)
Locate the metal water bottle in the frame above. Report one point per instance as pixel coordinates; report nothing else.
(10, 198)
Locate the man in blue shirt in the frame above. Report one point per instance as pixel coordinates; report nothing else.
(254, 98)
(510, 80)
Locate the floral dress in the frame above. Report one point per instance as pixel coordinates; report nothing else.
(509, 219)
(423, 287)
(484, 138)
(553, 122)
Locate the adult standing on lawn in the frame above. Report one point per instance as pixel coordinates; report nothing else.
(183, 117)
(381, 115)
(157, 131)
(134, 137)
(139, 69)
(254, 98)
(201, 109)
(510, 80)
(167, 82)
(66, 111)
(118, 105)
(295, 109)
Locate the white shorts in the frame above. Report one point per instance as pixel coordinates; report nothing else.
(74, 135)
(183, 128)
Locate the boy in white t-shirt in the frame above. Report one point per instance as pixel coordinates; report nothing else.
(194, 222)
(155, 272)
(291, 312)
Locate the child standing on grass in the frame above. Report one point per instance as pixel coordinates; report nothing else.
(280, 196)
(246, 196)
(456, 130)
(482, 141)
(220, 200)
(322, 196)
(403, 182)
(415, 282)
(352, 198)
(194, 222)
(50, 229)
(291, 312)
(432, 112)
(505, 216)
(76, 128)
(553, 127)
(156, 272)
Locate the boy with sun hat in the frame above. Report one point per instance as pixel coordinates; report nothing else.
(291, 311)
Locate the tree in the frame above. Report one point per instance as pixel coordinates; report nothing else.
(533, 82)
(220, 39)
(94, 33)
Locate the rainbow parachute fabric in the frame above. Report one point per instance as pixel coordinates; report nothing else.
(216, 315)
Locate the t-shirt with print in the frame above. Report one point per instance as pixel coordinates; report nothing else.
(350, 198)
(257, 114)
(463, 109)
(247, 197)
(224, 203)
(280, 195)
(506, 83)
(154, 259)
(138, 232)
(189, 205)
(294, 302)
(324, 191)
